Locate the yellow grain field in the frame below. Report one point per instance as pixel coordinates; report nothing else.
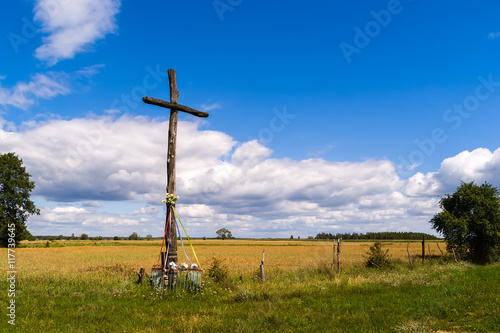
(241, 256)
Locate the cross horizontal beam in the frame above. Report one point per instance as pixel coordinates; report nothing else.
(174, 106)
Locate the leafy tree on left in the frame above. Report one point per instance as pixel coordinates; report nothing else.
(15, 203)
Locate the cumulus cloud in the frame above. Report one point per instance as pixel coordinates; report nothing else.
(106, 158)
(221, 183)
(480, 165)
(68, 220)
(73, 26)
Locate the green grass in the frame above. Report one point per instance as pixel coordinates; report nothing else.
(451, 297)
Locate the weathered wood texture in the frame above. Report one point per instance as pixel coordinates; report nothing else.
(172, 147)
(339, 244)
(442, 253)
(141, 274)
(174, 106)
(262, 271)
(423, 249)
(333, 261)
(408, 250)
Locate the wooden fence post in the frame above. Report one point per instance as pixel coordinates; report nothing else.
(442, 254)
(333, 261)
(454, 255)
(141, 274)
(423, 249)
(339, 243)
(408, 250)
(262, 272)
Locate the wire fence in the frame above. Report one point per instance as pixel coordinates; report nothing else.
(244, 261)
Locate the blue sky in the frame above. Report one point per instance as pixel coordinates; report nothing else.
(324, 117)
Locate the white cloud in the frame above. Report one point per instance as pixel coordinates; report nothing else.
(106, 158)
(479, 165)
(148, 210)
(43, 86)
(493, 35)
(73, 26)
(220, 183)
(322, 151)
(68, 220)
(251, 152)
(209, 107)
(199, 211)
(68, 210)
(93, 204)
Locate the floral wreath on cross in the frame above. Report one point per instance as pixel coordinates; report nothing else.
(170, 199)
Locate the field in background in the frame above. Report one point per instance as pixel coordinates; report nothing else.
(90, 286)
(242, 256)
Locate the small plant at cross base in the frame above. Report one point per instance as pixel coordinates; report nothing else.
(377, 257)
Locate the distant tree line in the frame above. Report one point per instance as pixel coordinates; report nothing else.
(72, 237)
(388, 235)
(133, 236)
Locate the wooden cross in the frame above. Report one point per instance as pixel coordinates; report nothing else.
(172, 140)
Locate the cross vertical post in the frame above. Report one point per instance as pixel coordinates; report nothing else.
(171, 236)
(172, 146)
